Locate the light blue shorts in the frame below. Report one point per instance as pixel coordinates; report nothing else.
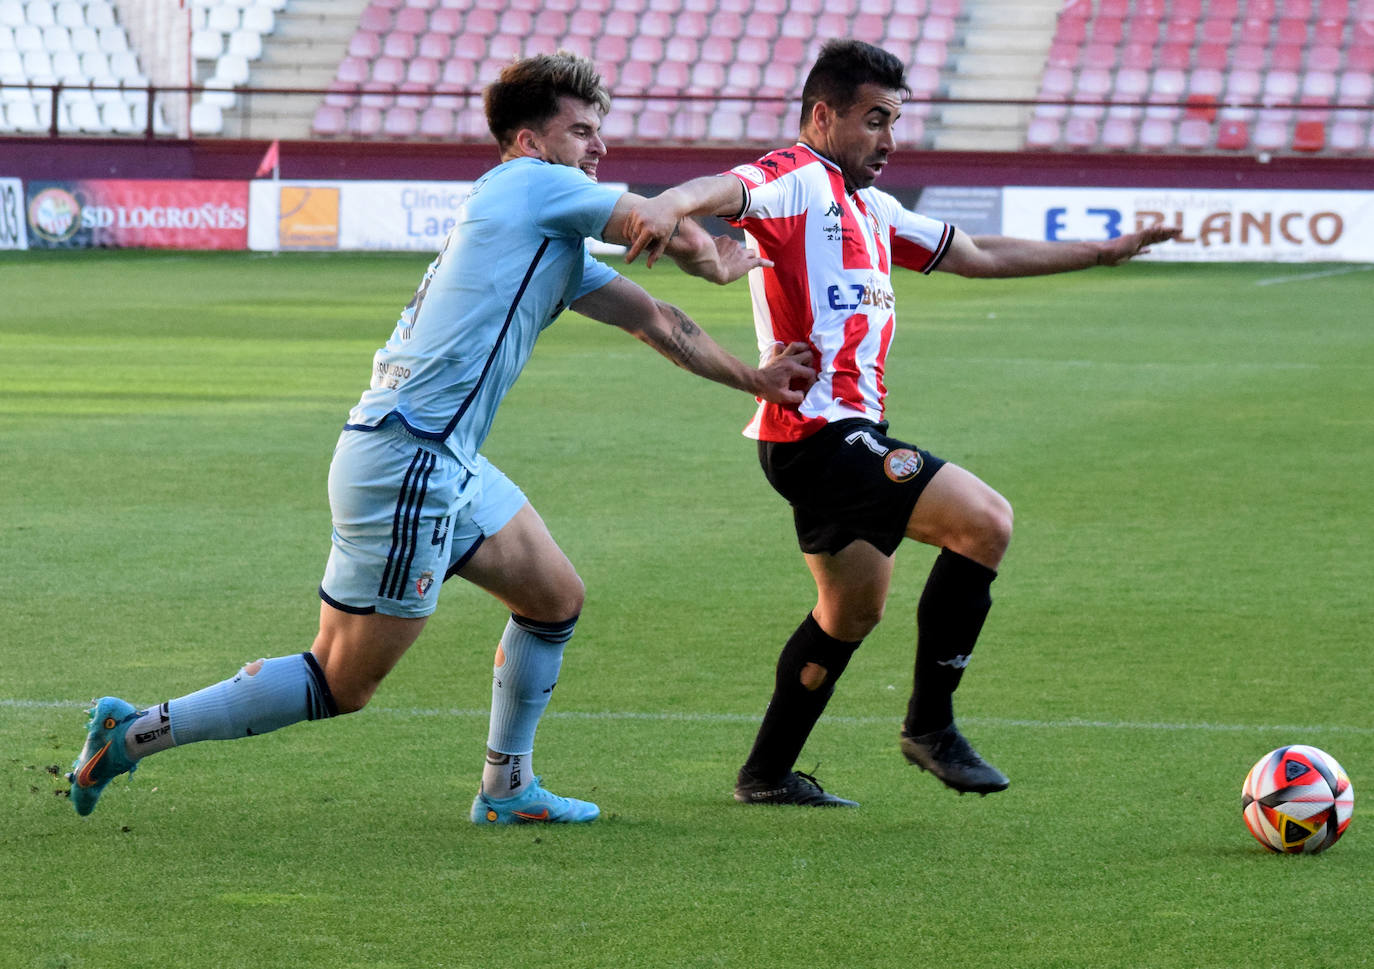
(407, 515)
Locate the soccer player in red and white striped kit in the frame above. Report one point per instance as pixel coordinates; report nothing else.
(855, 491)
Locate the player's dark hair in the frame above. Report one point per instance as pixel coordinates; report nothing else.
(844, 66)
(526, 93)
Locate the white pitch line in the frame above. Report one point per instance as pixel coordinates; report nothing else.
(1301, 277)
(665, 716)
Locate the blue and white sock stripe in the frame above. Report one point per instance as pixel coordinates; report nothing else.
(405, 525)
(550, 632)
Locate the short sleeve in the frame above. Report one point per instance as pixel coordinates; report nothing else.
(595, 274)
(565, 202)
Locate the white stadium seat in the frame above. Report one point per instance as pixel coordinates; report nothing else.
(206, 119)
(23, 116)
(39, 13)
(245, 43)
(224, 19)
(99, 13)
(232, 68)
(70, 14)
(207, 45)
(27, 37)
(85, 40)
(85, 117)
(12, 13)
(113, 40)
(260, 19)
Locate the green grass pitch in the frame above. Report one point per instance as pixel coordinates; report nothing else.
(1188, 449)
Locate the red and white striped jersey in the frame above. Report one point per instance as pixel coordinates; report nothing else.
(831, 281)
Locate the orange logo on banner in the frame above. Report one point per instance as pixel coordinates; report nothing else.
(308, 217)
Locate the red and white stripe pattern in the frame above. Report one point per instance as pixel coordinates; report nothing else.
(831, 281)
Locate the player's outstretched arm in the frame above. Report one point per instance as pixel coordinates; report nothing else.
(718, 259)
(988, 257)
(651, 223)
(783, 379)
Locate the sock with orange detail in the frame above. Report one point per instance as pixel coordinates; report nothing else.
(526, 671)
(262, 697)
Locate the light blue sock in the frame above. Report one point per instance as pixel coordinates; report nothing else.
(264, 696)
(522, 686)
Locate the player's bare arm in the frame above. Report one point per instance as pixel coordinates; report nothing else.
(784, 379)
(718, 259)
(989, 257)
(650, 223)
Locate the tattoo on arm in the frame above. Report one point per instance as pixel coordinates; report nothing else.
(679, 343)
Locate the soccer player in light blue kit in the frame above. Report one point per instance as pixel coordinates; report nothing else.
(413, 500)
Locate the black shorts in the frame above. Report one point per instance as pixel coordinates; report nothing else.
(849, 481)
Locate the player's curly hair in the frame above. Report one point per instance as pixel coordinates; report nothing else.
(842, 67)
(526, 93)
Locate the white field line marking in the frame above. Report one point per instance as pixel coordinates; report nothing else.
(1071, 723)
(1302, 277)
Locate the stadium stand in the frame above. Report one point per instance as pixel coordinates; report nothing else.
(1228, 75)
(746, 56)
(81, 47)
(1083, 75)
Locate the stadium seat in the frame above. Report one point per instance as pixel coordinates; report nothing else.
(436, 122)
(1156, 134)
(1118, 134)
(1270, 135)
(99, 14)
(207, 45)
(206, 119)
(1323, 57)
(1080, 132)
(1347, 136)
(85, 118)
(399, 45)
(1286, 57)
(400, 122)
(247, 43)
(365, 122)
(259, 18)
(1042, 132)
(1194, 134)
(1309, 136)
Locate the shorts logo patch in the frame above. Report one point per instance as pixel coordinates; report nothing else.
(424, 583)
(902, 464)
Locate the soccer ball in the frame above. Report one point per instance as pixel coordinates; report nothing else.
(1297, 800)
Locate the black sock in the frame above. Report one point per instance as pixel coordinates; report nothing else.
(794, 710)
(950, 615)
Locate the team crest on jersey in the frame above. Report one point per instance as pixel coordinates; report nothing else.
(426, 581)
(902, 464)
(750, 173)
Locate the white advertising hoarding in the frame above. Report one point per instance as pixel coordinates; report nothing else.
(1219, 225)
(334, 215)
(13, 224)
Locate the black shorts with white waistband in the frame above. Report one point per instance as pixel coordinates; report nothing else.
(849, 481)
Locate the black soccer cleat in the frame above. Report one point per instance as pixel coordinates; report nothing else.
(795, 788)
(949, 756)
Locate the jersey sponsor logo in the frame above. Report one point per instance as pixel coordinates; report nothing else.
(902, 464)
(750, 173)
(853, 296)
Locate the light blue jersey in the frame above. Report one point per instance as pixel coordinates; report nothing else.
(515, 260)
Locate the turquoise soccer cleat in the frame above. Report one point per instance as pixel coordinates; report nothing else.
(103, 758)
(533, 805)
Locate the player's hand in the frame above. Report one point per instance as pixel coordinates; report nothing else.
(787, 374)
(719, 259)
(1114, 252)
(649, 226)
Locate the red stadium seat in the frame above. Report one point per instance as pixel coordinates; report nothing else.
(411, 20)
(1071, 29)
(435, 45)
(683, 50)
(1216, 30)
(636, 77)
(1320, 57)
(1099, 56)
(1232, 136)
(1285, 57)
(1255, 31)
(375, 18)
(672, 76)
(365, 122)
(1214, 56)
(1249, 57)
